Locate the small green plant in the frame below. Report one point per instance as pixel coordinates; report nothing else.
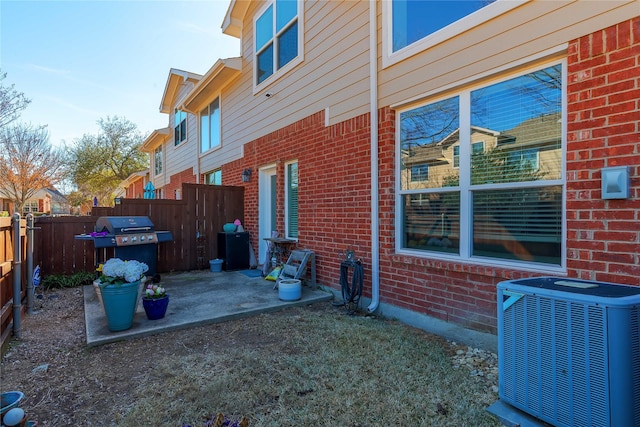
(57, 281)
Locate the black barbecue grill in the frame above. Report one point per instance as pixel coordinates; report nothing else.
(133, 237)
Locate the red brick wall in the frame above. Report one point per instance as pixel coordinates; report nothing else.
(603, 236)
(334, 198)
(175, 183)
(334, 179)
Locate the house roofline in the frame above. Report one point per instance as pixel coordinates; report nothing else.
(222, 72)
(175, 79)
(156, 137)
(135, 176)
(232, 23)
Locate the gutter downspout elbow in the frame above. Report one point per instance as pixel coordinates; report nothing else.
(373, 93)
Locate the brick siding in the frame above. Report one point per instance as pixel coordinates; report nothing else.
(135, 190)
(175, 183)
(603, 93)
(603, 236)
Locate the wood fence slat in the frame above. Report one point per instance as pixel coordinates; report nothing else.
(194, 222)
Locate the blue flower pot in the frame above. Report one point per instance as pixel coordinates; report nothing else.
(155, 308)
(119, 303)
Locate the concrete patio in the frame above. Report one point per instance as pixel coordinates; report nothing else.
(197, 298)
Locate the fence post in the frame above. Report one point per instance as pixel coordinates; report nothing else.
(17, 274)
(30, 263)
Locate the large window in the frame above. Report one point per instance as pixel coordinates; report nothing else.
(277, 38)
(291, 196)
(210, 126)
(180, 126)
(495, 183)
(157, 160)
(413, 20)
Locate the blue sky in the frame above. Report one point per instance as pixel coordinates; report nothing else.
(79, 61)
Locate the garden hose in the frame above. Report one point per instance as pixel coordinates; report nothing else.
(351, 292)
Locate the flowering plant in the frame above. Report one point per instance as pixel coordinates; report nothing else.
(153, 291)
(116, 271)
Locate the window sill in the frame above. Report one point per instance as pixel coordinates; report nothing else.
(476, 265)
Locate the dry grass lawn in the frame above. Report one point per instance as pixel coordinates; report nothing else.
(310, 366)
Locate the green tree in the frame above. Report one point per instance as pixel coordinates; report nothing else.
(99, 163)
(28, 163)
(79, 201)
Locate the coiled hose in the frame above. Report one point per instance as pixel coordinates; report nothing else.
(351, 292)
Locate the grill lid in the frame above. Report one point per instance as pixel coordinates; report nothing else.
(124, 224)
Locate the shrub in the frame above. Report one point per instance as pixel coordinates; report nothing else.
(56, 281)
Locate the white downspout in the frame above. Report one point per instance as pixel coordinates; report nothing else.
(373, 93)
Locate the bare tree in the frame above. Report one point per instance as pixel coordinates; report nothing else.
(28, 163)
(12, 102)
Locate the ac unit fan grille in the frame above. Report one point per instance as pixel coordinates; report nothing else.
(555, 361)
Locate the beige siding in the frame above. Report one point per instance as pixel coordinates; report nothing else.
(525, 32)
(334, 75)
(184, 155)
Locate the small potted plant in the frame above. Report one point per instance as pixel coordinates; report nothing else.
(155, 301)
(119, 284)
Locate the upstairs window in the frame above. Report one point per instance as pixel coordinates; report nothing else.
(412, 26)
(414, 20)
(157, 160)
(180, 126)
(210, 126)
(277, 35)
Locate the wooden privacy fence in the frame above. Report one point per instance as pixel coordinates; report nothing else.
(7, 251)
(194, 222)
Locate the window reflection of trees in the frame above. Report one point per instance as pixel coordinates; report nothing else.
(516, 138)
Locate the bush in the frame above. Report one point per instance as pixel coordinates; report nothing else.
(56, 281)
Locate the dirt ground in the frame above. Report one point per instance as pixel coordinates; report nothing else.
(66, 383)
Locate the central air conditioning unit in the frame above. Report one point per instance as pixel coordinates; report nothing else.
(569, 351)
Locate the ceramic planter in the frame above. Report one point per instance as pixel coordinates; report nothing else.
(156, 307)
(119, 302)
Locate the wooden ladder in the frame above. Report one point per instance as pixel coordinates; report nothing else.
(296, 267)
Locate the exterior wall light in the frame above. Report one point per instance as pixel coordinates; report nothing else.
(246, 175)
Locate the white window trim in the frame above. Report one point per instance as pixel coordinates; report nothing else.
(389, 57)
(286, 199)
(199, 118)
(162, 164)
(291, 64)
(465, 188)
(186, 127)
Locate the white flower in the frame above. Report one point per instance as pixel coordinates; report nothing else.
(131, 271)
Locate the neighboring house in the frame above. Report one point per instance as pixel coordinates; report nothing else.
(491, 128)
(47, 201)
(133, 186)
(6, 207)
